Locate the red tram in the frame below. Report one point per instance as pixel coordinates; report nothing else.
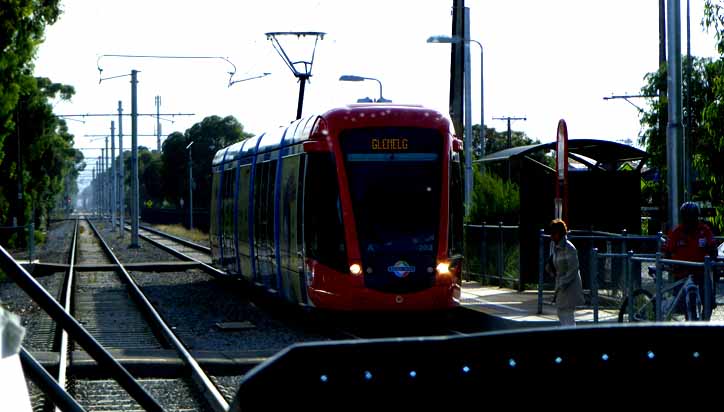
(357, 209)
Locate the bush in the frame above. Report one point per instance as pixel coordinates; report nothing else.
(494, 200)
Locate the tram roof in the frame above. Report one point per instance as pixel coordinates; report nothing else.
(299, 130)
(295, 132)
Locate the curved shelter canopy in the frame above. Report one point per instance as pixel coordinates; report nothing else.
(606, 154)
(604, 191)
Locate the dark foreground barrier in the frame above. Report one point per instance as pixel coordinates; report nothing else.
(605, 363)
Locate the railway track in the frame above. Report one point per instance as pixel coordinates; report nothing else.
(225, 337)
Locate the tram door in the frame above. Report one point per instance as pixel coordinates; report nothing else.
(227, 223)
(290, 228)
(264, 181)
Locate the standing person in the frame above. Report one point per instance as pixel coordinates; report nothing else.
(692, 241)
(564, 266)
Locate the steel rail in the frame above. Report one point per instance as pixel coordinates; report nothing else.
(208, 389)
(67, 294)
(183, 241)
(57, 394)
(203, 266)
(48, 303)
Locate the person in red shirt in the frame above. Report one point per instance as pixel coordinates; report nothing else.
(692, 241)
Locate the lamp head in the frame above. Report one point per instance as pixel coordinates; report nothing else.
(443, 39)
(351, 78)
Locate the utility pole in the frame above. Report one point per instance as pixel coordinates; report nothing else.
(107, 179)
(113, 177)
(468, 140)
(93, 189)
(101, 179)
(191, 189)
(134, 160)
(158, 124)
(121, 185)
(674, 155)
(510, 133)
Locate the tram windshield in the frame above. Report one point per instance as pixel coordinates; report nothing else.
(395, 181)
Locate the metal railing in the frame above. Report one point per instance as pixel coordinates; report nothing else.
(618, 272)
(629, 278)
(493, 253)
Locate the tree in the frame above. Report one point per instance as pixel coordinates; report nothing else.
(704, 129)
(173, 166)
(210, 135)
(21, 31)
(496, 141)
(46, 157)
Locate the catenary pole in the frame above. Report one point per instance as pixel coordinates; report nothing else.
(468, 119)
(674, 136)
(134, 160)
(121, 185)
(113, 176)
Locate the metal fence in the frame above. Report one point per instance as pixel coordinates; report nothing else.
(492, 254)
(613, 266)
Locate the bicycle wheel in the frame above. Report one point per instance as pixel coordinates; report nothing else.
(644, 307)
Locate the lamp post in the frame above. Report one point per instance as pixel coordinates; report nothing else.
(468, 142)
(353, 78)
(191, 193)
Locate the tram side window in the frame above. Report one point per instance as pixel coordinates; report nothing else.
(324, 230)
(456, 207)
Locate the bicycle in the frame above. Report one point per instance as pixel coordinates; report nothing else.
(684, 291)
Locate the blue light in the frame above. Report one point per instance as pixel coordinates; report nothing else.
(368, 375)
(559, 360)
(511, 363)
(696, 355)
(650, 355)
(466, 369)
(323, 378)
(413, 374)
(604, 357)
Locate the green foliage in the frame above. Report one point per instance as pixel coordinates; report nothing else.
(494, 199)
(44, 155)
(704, 132)
(48, 163)
(496, 141)
(209, 135)
(22, 23)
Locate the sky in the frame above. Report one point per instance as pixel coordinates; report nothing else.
(543, 60)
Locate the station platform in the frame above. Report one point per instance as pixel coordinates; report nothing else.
(511, 309)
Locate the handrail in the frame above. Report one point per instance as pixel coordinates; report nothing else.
(105, 361)
(212, 395)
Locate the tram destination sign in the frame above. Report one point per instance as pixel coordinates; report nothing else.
(391, 140)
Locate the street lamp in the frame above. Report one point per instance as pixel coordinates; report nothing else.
(353, 78)
(468, 128)
(191, 193)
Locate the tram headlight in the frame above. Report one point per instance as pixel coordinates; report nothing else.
(355, 269)
(443, 268)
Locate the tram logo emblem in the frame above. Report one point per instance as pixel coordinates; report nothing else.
(401, 269)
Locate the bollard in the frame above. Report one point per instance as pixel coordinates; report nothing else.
(594, 283)
(629, 284)
(707, 288)
(31, 242)
(483, 255)
(500, 254)
(659, 276)
(659, 282)
(541, 259)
